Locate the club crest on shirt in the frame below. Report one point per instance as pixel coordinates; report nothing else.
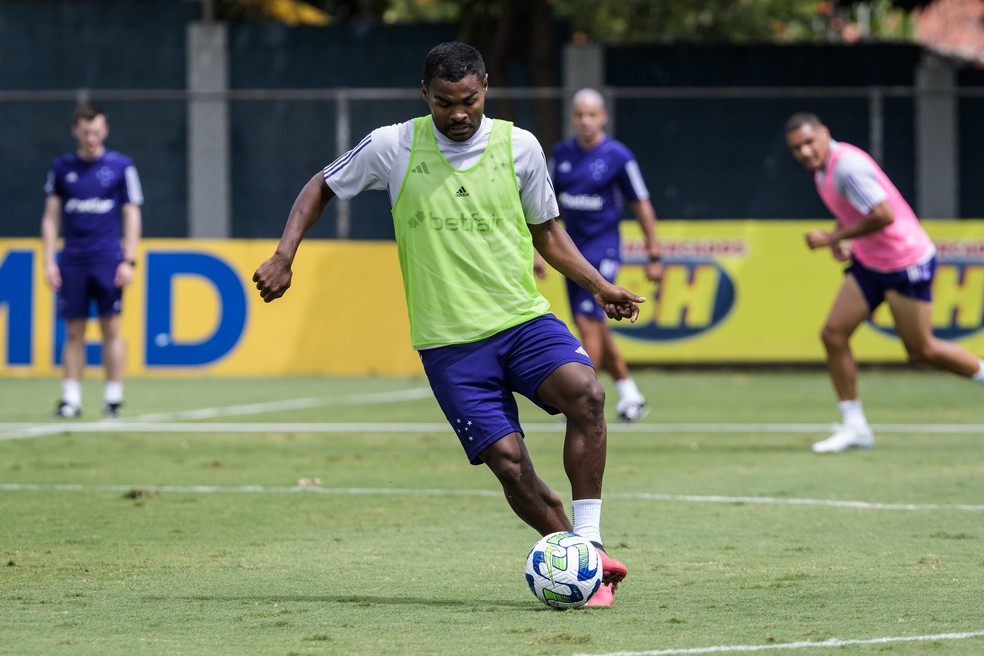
(105, 175)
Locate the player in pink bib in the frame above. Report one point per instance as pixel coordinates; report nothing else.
(891, 259)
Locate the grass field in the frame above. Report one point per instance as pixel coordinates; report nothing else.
(339, 516)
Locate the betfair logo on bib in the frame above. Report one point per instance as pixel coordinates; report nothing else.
(461, 223)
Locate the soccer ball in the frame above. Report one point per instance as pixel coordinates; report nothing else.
(563, 570)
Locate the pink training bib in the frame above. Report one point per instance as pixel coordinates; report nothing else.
(897, 246)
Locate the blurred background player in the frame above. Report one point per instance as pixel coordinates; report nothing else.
(465, 237)
(891, 259)
(594, 175)
(94, 198)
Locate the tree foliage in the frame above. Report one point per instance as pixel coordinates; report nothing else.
(635, 21)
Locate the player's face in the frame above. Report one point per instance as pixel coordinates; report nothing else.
(809, 144)
(589, 121)
(457, 107)
(91, 135)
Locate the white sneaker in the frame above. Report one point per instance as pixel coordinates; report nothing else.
(630, 410)
(844, 438)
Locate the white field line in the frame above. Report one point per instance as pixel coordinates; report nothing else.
(359, 491)
(159, 424)
(832, 642)
(23, 431)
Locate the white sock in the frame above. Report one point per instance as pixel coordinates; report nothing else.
(853, 413)
(587, 518)
(979, 376)
(627, 389)
(72, 392)
(113, 392)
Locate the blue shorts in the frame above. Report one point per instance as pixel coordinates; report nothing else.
(84, 282)
(582, 301)
(913, 282)
(474, 383)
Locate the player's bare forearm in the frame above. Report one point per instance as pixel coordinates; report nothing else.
(646, 215)
(879, 218)
(273, 277)
(50, 227)
(132, 228)
(556, 247)
(307, 209)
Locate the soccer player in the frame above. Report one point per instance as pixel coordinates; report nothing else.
(593, 174)
(891, 259)
(471, 199)
(94, 197)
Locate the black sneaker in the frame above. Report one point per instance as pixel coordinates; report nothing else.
(112, 409)
(67, 410)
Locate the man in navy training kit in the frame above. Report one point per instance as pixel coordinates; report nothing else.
(594, 175)
(94, 197)
(471, 198)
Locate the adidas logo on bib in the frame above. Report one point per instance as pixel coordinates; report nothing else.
(461, 193)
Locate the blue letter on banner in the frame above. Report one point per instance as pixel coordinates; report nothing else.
(162, 350)
(16, 287)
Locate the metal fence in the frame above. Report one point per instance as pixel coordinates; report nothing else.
(706, 153)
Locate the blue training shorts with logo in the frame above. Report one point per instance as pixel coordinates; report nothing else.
(914, 282)
(474, 383)
(83, 282)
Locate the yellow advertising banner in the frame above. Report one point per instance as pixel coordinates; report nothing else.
(193, 309)
(734, 292)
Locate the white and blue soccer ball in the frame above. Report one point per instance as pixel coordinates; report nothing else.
(563, 570)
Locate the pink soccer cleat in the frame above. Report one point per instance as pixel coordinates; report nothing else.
(612, 570)
(603, 596)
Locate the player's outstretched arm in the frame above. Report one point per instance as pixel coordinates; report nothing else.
(556, 247)
(273, 277)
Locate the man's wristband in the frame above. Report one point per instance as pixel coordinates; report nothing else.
(655, 258)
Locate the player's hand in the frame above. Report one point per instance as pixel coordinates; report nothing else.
(818, 239)
(52, 276)
(654, 271)
(619, 303)
(272, 278)
(124, 274)
(841, 251)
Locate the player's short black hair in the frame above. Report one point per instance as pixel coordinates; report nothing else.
(799, 119)
(87, 112)
(453, 61)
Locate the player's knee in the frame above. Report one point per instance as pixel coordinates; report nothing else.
(921, 353)
(832, 336)
(507, 460)
(590, 396)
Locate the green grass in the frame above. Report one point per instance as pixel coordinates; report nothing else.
(156, 542)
